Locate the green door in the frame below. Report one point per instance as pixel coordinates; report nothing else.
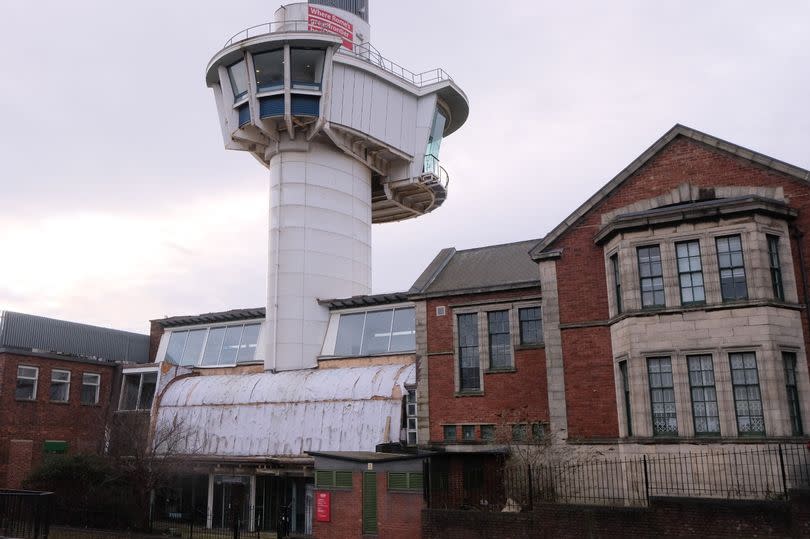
(370, 502)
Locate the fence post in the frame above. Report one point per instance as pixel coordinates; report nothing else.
(646, 481)
(782, 468)
(531, 487)
(236, 526)
(426, 482)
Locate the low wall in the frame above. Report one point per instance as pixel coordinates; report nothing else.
(665, 517)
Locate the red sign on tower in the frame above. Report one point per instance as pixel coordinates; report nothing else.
(321, 20)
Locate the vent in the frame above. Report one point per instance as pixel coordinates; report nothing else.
(441, 311)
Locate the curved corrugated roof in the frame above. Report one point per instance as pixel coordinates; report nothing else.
(289, 413)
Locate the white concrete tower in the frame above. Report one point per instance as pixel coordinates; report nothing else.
(350, 138)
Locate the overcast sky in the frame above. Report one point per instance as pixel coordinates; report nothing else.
(119, 203)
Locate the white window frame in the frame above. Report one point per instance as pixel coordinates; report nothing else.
(330, 340)
(61, 382)
(140, 373)
(208, 327)
(35, 378)
(97, 385)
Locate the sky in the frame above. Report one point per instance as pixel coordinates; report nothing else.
(121, 205)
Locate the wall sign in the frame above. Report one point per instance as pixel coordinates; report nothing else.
(323, 506)
(321, 20)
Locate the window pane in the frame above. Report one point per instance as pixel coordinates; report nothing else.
(177, 341)
(662, 396)
(60, 386)
(350, 333)
(230, 345)
(449, 433)
(732, 269)
(129, 400)
(690, 272)
(239, 79)
(26, 383)
(704, 396)
(488, 432)
(747, 398)
(377, 333)
(148, 384)
(194, 344)
(403, 336)
(651, 276)
(213, 346)
(500, 342)
(531, 325)
(306, 68)
(269, 68)
(468, 432)
(469, 362)
(794, 407)
(90, 388)
(435, 141)
(247, 348)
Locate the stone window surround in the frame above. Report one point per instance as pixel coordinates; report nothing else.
(753, 233)
(483, 338)
(772, 380)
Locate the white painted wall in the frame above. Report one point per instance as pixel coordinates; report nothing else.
(320, 247)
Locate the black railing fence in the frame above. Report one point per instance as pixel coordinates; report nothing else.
(762, 473)
(25, 514)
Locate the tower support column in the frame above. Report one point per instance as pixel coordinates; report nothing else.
(320, 246)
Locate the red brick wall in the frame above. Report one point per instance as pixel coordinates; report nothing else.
(581, 278)
(82, 426)
(509, 397)
(347, 513)
(399, 515)
(155, 333)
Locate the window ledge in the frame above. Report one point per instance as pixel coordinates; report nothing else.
(537, 346)
(24, 400)
(58, 402)
(504, 370)
(476, 393)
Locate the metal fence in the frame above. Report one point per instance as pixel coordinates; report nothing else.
(764, 473)
(25, 514)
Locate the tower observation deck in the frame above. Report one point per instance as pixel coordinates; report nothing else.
(350, 138)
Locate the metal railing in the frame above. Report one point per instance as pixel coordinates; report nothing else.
(25, 514)
(433, 168)
(766, 473)
(363, 51)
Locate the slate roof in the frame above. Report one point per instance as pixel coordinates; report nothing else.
(482, 269)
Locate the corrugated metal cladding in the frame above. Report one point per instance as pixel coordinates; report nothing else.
(271, 106)
(288, 413)
(29, 332)
(306, 105)
(358, 7)
(244, 115)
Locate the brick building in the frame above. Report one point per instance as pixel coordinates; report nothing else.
(57, 381)
(672, 317)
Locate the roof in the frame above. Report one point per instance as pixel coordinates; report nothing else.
(211, 318)
(478, 270)
(29, 333)
(365, 301)
(368, 456)
(677, 131)
(288, 413)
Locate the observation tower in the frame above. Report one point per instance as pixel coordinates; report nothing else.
(350, 138)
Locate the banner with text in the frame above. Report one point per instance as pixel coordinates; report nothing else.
(321, 20)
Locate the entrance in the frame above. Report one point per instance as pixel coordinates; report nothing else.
(284, 504)
(231, 493)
